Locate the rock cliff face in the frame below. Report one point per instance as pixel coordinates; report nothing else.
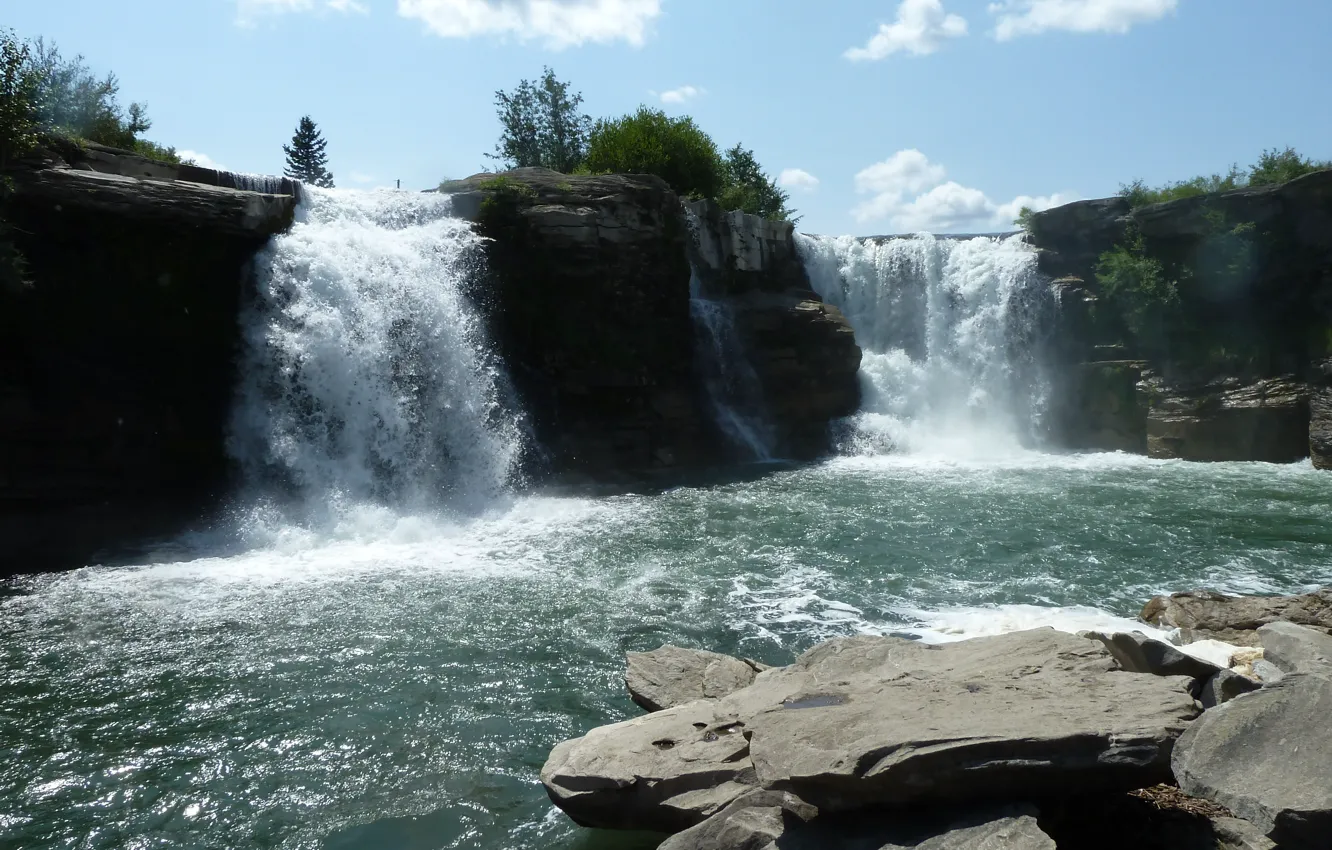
(1236, 373)
(589, 290)
(116, 370)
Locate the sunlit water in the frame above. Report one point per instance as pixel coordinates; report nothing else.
(382, 658)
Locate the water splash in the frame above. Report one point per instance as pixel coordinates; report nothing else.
(947, 328)
(367, 376)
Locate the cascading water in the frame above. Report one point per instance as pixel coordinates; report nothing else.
(367, 376)
(733, 388)
(947, 328)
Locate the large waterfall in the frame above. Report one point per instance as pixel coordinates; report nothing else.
(950, 332)
(367, 375)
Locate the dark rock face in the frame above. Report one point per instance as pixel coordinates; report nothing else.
(117, 373)
(1267, 420)
(590, 287)
(1233, 368)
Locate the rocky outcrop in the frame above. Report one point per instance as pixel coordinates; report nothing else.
(590, 305)
(1296, 649)
(1264, 756)
(1230, 353)
(117, 374)
(672, 676)
(1267, 420)
(885, 722)
(1137, 653)
(1236, 619)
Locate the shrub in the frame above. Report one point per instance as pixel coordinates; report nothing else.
(748, 189)
(20, 118)
(1279, 166)
(1023, 219)
(1138, 285)
(650, 142)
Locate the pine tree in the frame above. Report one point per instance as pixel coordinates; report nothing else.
(306, 159)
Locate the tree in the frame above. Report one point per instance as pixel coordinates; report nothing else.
(749, 189)
(20, 89)
(1276, 166)
(650, 142)
(541, 125)
(307, 160)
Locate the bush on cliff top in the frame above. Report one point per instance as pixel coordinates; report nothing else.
(651, 142)
(1274, 166)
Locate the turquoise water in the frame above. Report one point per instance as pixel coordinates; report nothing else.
(395, 681)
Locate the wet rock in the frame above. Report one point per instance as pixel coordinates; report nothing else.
(1228, 420)
(1320, 428)
(877, 721)
(673, 676)
(1296, 649)
(1138, 653)
(1235, 619)
(1265, 757)
(1225, 686)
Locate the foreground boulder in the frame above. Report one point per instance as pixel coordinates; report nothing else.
(1296, 649)
(672, 676)
(879, 721)
(1266, 756)
(1235, 619)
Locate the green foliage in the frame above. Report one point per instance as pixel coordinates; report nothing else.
(1279, 166)
(1274, 166)
(307, 159)
(747, 188)
(20, 87)
(651, 142)
(1023, 219)
(152, 150)
(74, 99)
(542, 126)
(1138, 285)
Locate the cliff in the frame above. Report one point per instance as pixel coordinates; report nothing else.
(116, 370)
(1208, 344)
(589, 296)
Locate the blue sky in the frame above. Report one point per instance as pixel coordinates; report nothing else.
(885, 116)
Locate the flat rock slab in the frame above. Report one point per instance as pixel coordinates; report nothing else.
(1296, 649)
(673, 676)
(1234, 619)
(867, 721)
(1267, 756)
(779, 828)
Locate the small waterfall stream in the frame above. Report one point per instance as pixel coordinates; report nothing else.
(947, 329)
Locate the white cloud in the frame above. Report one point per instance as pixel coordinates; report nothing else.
(680, 95)
(797, 180)
(1030, 17)
(912, 194)
(556, 23)
(248, 11)
(921, 28)
(202, 160)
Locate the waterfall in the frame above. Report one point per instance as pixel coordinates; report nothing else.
(950, 333)
(733, 388)
(366, 373)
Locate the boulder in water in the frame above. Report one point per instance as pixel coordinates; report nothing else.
(672, 676)
(1265, 757)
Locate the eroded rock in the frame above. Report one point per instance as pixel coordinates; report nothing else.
(1296, 649)
(672, 676)
(1225, 686)
(1265, 757)
(1138, 653)
(873, 721)
(1235, 619)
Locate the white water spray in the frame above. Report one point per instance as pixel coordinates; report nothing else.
(367, 377)
(941, 322)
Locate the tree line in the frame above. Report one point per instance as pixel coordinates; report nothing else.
(542, 125)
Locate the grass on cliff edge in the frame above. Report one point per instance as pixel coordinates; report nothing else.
(1274, 166)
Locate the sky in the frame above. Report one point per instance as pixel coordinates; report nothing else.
(879, 116)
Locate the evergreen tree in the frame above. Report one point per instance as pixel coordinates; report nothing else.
(306, 159)
(749, 189)
(542, 126)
